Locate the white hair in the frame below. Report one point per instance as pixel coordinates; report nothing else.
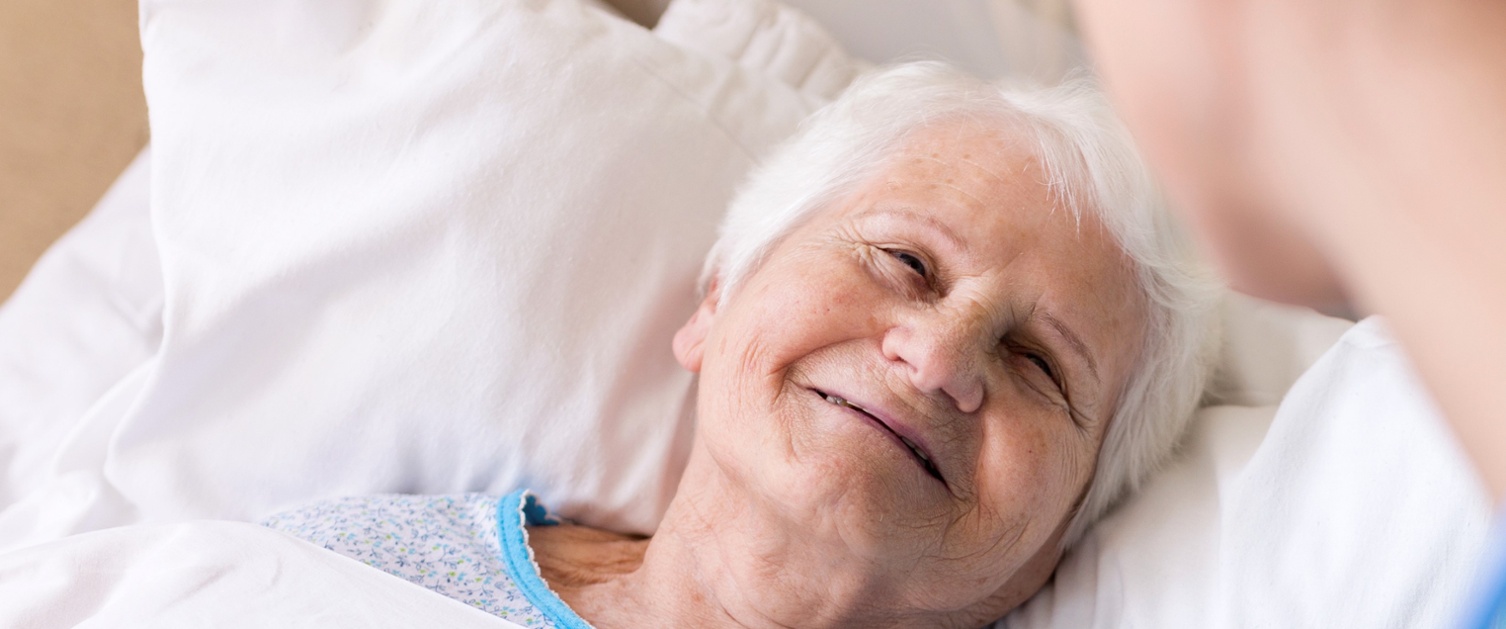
(1091, 166)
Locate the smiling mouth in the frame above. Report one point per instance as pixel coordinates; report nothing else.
(920, 455)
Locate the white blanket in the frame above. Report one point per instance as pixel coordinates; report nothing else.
(211, 574)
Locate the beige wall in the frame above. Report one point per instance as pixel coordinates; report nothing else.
(72, 115)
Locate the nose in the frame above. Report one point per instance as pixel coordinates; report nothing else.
(940, 354)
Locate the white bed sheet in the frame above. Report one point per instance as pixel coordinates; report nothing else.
(211, 574)
(88, 313)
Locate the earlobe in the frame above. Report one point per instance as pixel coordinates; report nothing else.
(690, 340)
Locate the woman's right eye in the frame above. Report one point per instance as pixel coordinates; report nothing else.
(911, 260)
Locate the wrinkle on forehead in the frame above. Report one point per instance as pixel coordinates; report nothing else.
(991, 163)
(966, 158)
(947, 146)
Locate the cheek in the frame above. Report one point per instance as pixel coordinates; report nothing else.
(1032, 473)
(1028, 478)
(789, 311)
(774, 327)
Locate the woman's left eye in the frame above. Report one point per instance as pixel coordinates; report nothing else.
(911, 260)
(1043, 365)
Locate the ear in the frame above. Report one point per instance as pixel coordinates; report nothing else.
(690, 340)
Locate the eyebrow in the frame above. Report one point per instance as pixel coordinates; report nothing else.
(1073, 340)
(941, 228)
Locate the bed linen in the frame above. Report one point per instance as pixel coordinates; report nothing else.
(89, 313)
(994, 39)
(211, 574)
(1176, 555)
(401, 251)
(1348, 504)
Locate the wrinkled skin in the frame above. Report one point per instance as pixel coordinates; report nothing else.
(933, 297)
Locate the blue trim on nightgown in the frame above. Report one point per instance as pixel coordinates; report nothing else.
(514, 511)
(1489, 608)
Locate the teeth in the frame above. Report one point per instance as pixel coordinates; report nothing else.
(916, 449)
(910, 444)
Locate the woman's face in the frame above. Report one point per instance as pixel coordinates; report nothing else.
(920, 376)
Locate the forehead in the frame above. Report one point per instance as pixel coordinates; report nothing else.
(985, 179)
(975, 166)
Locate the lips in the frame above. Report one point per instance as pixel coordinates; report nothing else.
(921, 456)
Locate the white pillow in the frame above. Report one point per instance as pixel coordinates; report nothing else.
(88, 313)
(1002, 38)
(414, 247)
(765, 37)
(1348, 505)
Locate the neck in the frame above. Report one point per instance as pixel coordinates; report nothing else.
(717, 560)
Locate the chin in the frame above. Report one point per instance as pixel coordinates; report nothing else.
(868, 512)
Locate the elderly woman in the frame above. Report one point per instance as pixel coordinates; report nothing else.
(944, 329)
